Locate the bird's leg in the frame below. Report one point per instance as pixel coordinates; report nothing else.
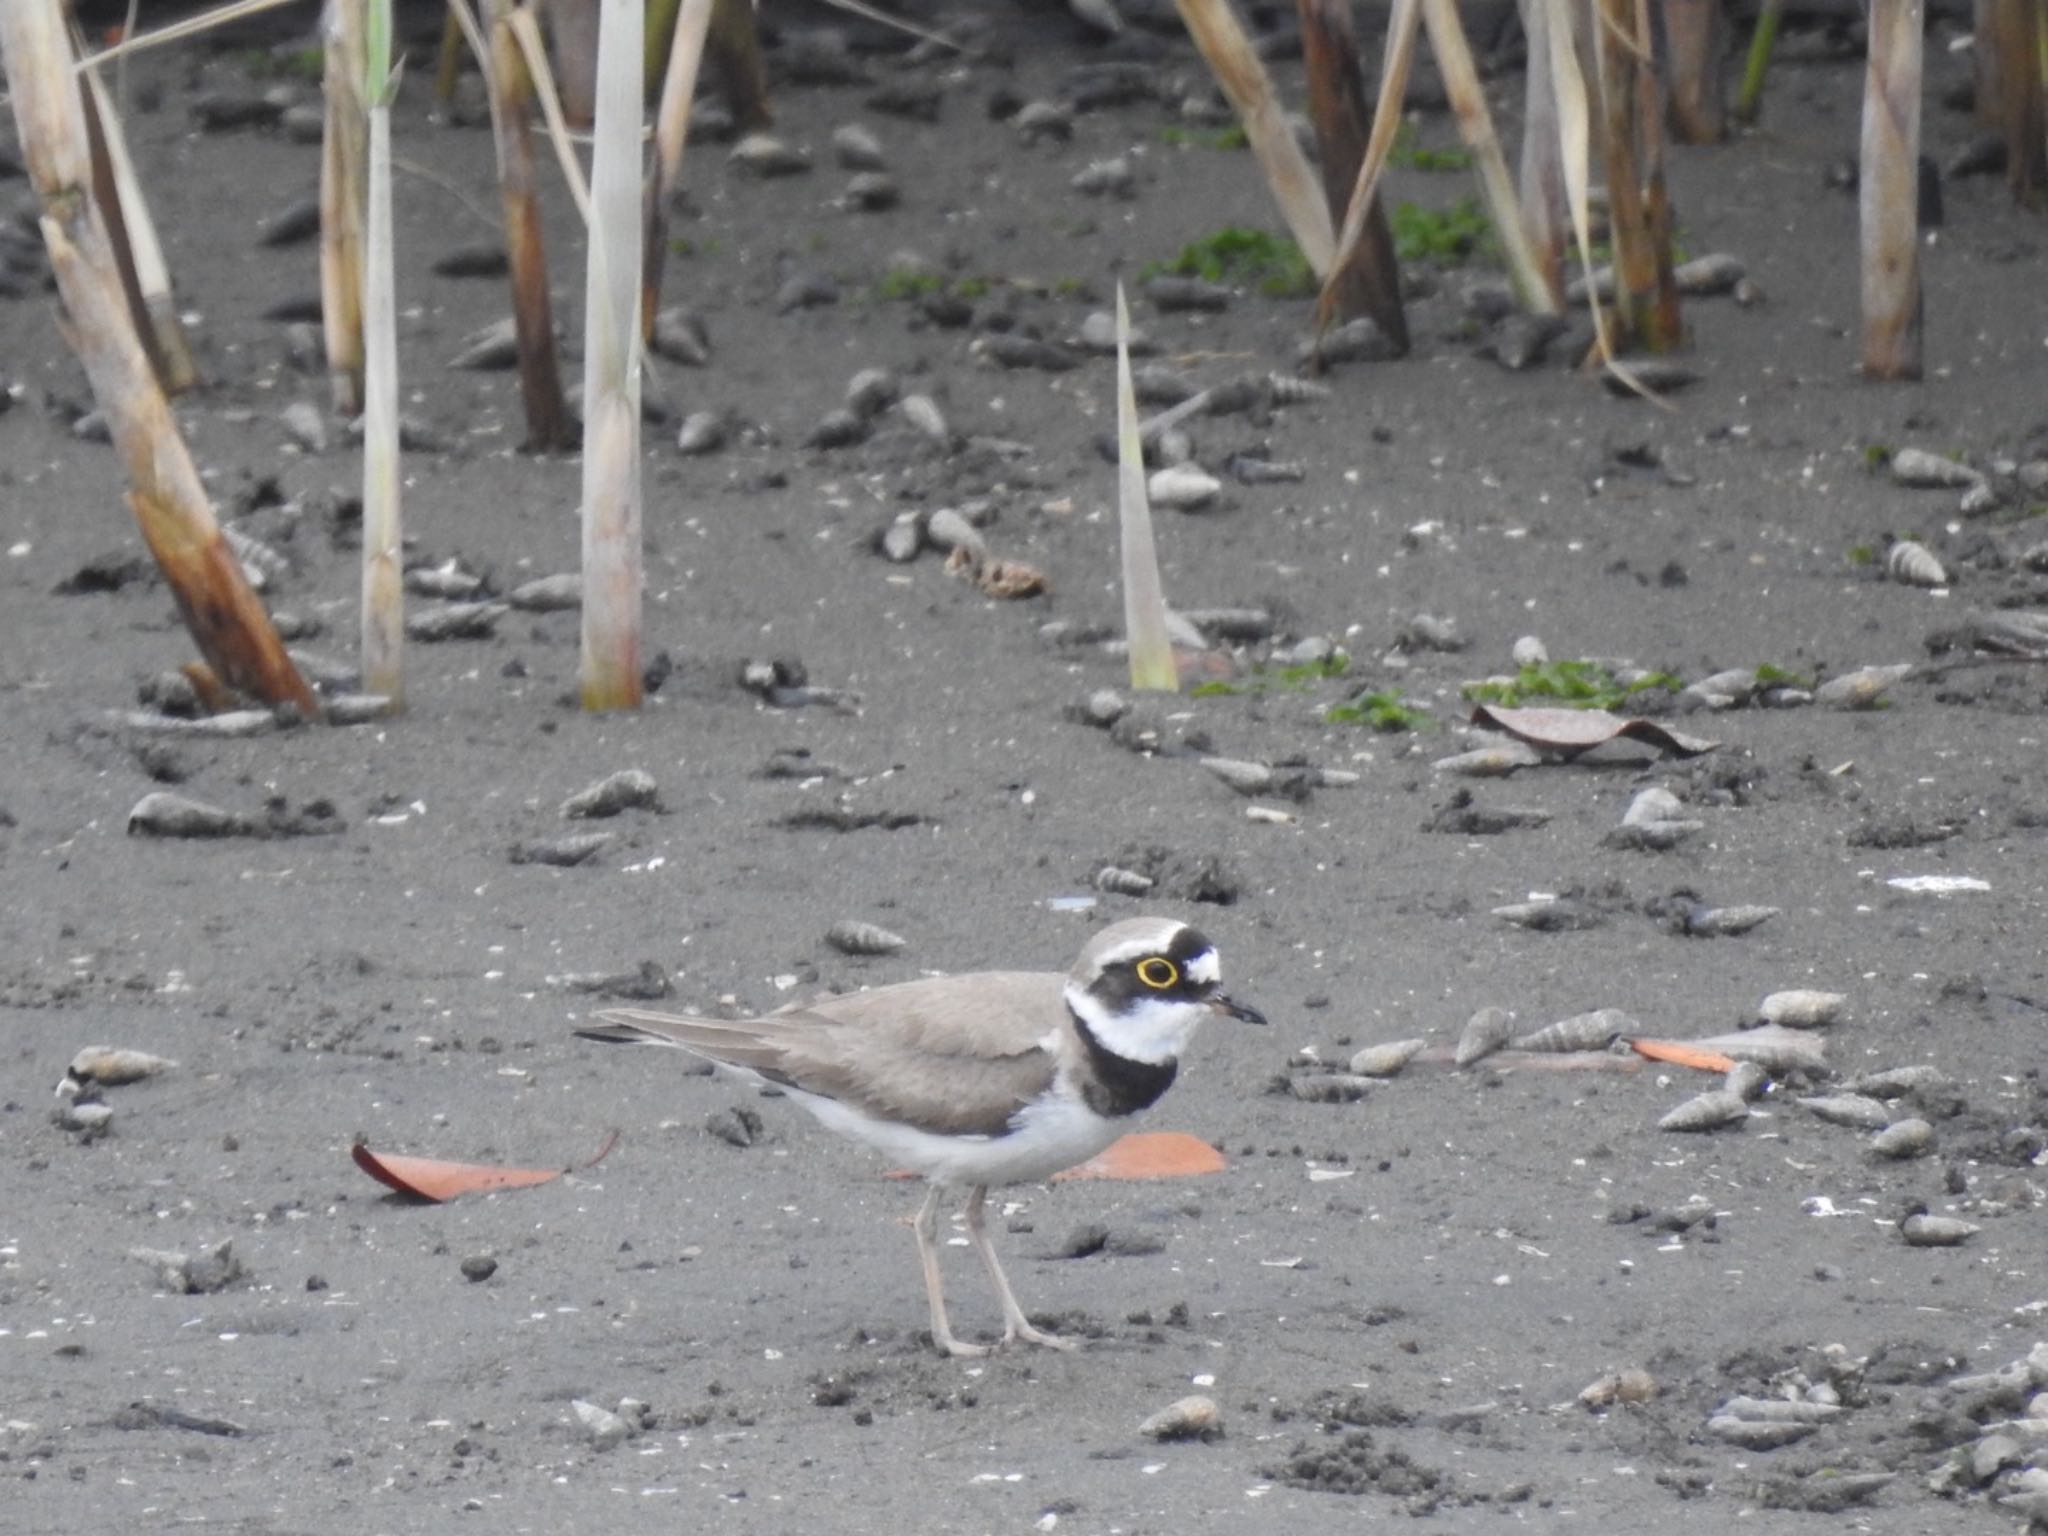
(1015, 1324)
(926, 1227)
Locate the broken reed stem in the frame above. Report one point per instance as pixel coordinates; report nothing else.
(735, 47)
(1889, 192)
(548, 426)
(1575, 141)
(2016, 45)
(383, 596)
(342, 148)
(163, 329)
(1243, 79)
(1475, 126)
(1369, 281)
(1542, 169)
(1145, 632)
(448, 58)
(226, 621)
(573, 24)
(1645, 302)
(671, 131)
(611, 373)
(1749, 98)
(1398, 58)
(1693, 49)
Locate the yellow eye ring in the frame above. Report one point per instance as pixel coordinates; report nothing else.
(1157, 972)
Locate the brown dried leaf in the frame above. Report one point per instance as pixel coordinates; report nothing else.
(430, 1178)
(1578, 730)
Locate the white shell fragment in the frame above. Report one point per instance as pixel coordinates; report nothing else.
(1777, 1049)
(1707, 1111)
(1801, 1008)
(1851, 1109)
(1388, 1059)
(1122, 882)
(1493, 762)
(548, 594)
(628, 789)
(1924, 1231)
(1186, 486)
(1191, 1418)
(1529, 651)
(762, 154)
(1487, 1031)
(1903, 1139)
(1914, 565)
(1244, 777)
(109, 1066)
(1633, 1385)
(1921, 470)
(857, 938)
(605, 1428)
(1861, 688)
(163, 814)
(855, 148)
(1593, 1031)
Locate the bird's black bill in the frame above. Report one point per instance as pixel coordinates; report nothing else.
(1236, 1010)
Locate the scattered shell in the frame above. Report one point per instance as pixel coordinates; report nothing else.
(1724, 922)
(304, 424)
(1005, 349)
(1105, 178)
(1801, 1008)
(1490, 762)
(857, 938)
(628, 789)
(1893, 1082)
(903, 538)
(949, 529)
(1287, 389)
(1247, 470)
(703, 432)
(605, 1428)
(1551, 914)
(455, 621)
(1123, 882)
(1006, 578)
(231, 723)
(1776, 1049)
(109, 1066)
(448, 579)
(193, 1274)
(1921, 470)
(1914, 564)
(1186, 486)
(1192, 1418)
(1779, 1410)
(1630, 1386)
(855, 148)
(163, 814)
(1245, 777)
(1330, 1088)
(1924, 1231)
(1758, 1434)
(548, 594)
(762, 154)
(925, 417)
(872, 191)
(1159, 384)
(1386, 1060)
(88, 1120)
(561, 852)
(1037, 121)
(1355, 341)
(1851, 1109)
(872, 391)
(1747, 1080)
(1652, 805)
(495, 346)
(1703, 276)
(1271, 815)
(1098, 334)
(1529, 651)
(1487, 1031)
(1860, 689)
(1903, 1139)
(838, 428)
(1593, 1031)
(1706, 1112)
(681, 337)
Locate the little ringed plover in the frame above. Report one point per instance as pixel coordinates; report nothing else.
(995, 1077)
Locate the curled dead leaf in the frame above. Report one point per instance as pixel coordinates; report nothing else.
(431, 1178)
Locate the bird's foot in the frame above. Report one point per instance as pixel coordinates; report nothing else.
(1020, 1329)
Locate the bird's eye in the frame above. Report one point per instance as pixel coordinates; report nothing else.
(1157, 972)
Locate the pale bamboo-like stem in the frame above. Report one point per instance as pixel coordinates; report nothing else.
(671, 132)
(1749, 96)
(166, 328)
(1475, 126)
(1398, 58)
(1243, 78)
(1575, 135)
(1693, 42)
(540, 381)
(342, 173)
(191, 26)
(383, 596)
(611, 374)
(1542, 169)
(226, 621)
(538, 70)
(1151, 648)
(1369, 283)
(1889, 188)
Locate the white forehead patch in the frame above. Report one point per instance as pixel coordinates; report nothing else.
(1205, 968)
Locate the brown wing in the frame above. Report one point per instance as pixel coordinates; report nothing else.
(955, 1055)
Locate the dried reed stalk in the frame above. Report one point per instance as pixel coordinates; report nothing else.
(1645, 296)
(1151, 648)
(1693, 44)
(342, 175)
(1369, 282)
(1542, 170)
(572, 25)
(163, 329)
(2019, 34)
(1475, 126)
(383, 596)
(1889, 192)
(448, 58)
(548, 426)
(611, 373)
(1397, 60)
(671, 130)
(735, 47)
(1243, 78)
(1750, 96)
(226, 621)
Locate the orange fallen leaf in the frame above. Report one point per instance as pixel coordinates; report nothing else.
(430, 1178)
(1679, 1054)
(1151, 1155)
